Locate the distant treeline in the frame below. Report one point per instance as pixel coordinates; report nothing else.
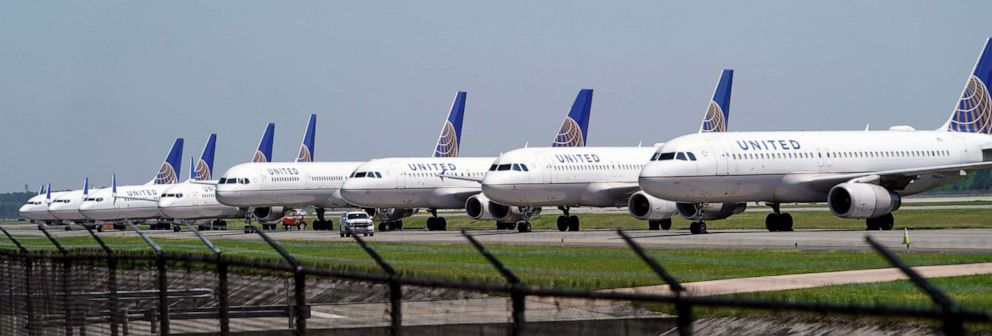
(11, 202)
(978, 182)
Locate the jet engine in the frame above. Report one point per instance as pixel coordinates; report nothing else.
(862, 200)
(384, 215)
(477, 207)
(268, 214)
(710, 211)
(509, 214)
(647, 207)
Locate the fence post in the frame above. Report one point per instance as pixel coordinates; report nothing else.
(111, 281)
(683, 311)
(953, 325)
(395, 291)
(66, 273)
(28, 290)
(299, 277)
(516, 295)
(163, 281)
(222, 291)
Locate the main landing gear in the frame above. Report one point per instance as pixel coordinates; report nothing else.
(884, 222)
(435, 223)
(664, 224)
(778, 221)
(390, 226)
(566, 222)
(322, 224)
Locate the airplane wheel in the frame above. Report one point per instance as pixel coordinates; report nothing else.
(342, 235)
(382, 226)
(431, 223)
(573, 223)
(443, 224)
(99, 228)
(562, 223)
(666, 224)
(771, 222)
(654, 225)
(785, 222)
(871, 224)
(329, 226)
(524, 227)
(176, 228)
(697, 228)
(398, 225)
(887, 222)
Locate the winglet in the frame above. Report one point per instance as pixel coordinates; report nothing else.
(718, 113)
(204, 169)
(450, 139)
(574, 130)
(86, 187)
(973, 111)
(264, 151)
(169, 172)
(306, 148)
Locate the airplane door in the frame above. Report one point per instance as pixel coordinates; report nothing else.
(717, 154)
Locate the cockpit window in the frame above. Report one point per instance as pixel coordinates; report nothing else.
(222, 180)
(692, 157)
(666, 156)
(245, 180)
(503, 167)
(493, 167)
(524, 167)
(378, 175)
(680, 156)
(359, 174)
(516, 167)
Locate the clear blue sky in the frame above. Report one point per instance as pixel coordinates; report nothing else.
(88, 88)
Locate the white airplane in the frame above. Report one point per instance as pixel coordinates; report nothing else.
(860, 174)
(271, 189)
(526, 179)
(135, 202)
(36, 208)
(443, 181)
(65, 207)
(194, 199)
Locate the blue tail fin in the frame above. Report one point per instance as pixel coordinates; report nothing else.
(42, 190)
(204, 169)
(113, 183)
(169, 172)
(973, 113)
(264, 151)
(574, 129)
(718, 113)
(451, 133)
(86, 187)
(306, 148)
(48, 193)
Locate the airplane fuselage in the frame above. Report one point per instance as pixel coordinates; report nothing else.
(415, 182)
(260, 184)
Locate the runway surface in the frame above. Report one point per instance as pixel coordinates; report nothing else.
(942, 240)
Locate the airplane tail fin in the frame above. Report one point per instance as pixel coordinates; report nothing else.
(451, 133)
(113, 184)
(306, 148)
(41, 191)
(264, 151)
(48, 193)
(169, 172)
(973, 113)
(718, 113)
(86, 187)
(204, 169)
(576, 125)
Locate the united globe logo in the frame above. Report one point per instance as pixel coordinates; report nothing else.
(447, 144)
(202, 171)
(714, 121)
(974, 110)
(259, 157)
(166, 175)
(304, 155)
(570, 135)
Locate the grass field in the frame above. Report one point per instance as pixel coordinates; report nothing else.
(552, 266)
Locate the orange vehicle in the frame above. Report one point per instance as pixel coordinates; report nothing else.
(297, 221)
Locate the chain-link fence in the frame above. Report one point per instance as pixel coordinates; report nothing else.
(105, 292)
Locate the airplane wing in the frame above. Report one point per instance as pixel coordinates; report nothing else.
(615, 193)
(896, 179)
(462, 178)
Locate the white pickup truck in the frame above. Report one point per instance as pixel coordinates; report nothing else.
(356, 222)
